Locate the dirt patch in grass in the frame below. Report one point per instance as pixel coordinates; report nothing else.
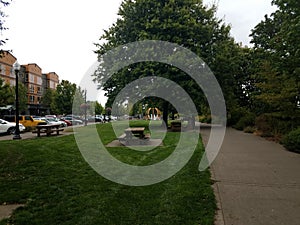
(7, 210)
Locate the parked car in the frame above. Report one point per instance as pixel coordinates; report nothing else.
(54, 121)
(9, 127)
(66, 121)
(50, 116)
(26, 120)
(96, 118)
(114, 118)
(73, 120)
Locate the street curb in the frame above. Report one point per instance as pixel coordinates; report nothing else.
(219, 216)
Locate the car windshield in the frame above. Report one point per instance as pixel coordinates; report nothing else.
(2, 121)
(52, 119)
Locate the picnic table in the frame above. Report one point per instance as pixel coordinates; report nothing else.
(133, 135)
(135, 131)
(48, 129)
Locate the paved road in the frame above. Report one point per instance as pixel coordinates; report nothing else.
(258, 181)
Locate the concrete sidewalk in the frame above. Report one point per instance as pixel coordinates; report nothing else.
(30, 135)
(257, 181)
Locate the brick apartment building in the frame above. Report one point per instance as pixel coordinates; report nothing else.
(34, 80)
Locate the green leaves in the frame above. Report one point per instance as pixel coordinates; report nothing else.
(63, 97)
(6, 93)
(276, 49)
(187, 23)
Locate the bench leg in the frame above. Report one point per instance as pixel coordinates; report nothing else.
(48, 132)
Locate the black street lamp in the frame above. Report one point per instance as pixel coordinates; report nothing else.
(85, 108)
(16, 68)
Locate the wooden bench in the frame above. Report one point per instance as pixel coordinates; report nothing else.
(47, 129)
(176, 126)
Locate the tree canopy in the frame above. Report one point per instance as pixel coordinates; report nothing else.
(187, 23)
(277, 56)
(63, 97)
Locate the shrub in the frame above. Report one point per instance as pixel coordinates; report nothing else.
(292, 140)
(272, 124)
(263, 125)
(246, 120)
(249, 129)
(204, 119)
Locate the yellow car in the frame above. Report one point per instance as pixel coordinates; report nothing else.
(27, 121)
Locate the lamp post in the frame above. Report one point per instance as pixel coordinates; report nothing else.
(85, 108)
(16, 68)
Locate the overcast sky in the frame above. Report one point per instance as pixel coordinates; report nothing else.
(58, 35)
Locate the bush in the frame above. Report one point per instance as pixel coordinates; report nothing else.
(263, 125)
(204, 119)
(272, 124)
(292, 140)
(249, 129)
(247, 119)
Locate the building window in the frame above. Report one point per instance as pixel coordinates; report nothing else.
(52, 84)
(39, 90)
(12, 73)
(3, 69)
(31, 78)
(31, 99)
(39, 81)
(31, 88)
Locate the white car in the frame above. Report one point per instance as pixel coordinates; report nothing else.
(9, 127)
(54, 121)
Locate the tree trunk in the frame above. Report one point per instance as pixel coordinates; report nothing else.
(173, 115)
(165, 113)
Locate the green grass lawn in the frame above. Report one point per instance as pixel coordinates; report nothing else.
(57, 186)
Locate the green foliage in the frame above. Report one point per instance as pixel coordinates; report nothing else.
(98, 108)
(246, 121)
(240, 117)
(186, 23)
(95, 108)
(277, 92)
(292, 140)
(6, 93)
(48, 97)
(276, 79)
(78, 101)
(63, 98)
(272, 124)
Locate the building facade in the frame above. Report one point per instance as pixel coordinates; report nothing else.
(6, 68)
(33, 79)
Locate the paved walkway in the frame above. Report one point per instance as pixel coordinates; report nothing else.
(257, 181)
(30, 135)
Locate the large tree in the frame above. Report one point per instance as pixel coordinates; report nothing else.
(63, 97)
(187, 23)
(277, 57)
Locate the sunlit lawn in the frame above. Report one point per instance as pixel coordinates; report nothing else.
(57, 186)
